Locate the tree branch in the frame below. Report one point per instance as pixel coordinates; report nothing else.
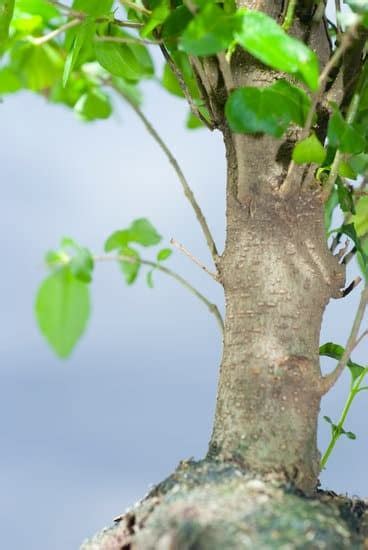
(212, 307)
(328, 381)
(187, 190)
(46, 37)
(182, 248)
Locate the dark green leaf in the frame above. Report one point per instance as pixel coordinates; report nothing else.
(261, 36)
(176, 22)
(328, 419)
(130, 269)
(345, 196)
(309, 150)
(269, 110)
(350, 435)
(335, 351)
(93, 105)
(359, 163)
(62, 310)
(83, 33)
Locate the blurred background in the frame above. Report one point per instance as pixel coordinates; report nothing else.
(85, 438)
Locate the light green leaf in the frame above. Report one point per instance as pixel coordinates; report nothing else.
(157, 17)
(129, 269)
(163, 254)
(6, 14)
(149, 279)
(40, 8)
(143, 232)
(93, 105)
(38, 67)
(117, 240)
(262, 37)
(124, 60)
(269, 110)
(62, 310)
(95, 8)
(360, 219)
(83, 33)
(9, 81)
(309, 150)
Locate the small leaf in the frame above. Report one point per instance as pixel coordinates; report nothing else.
(163, 254)
(328, 419)
(93, 105)
(142, 231)
(82, 264)
(309, 150)
(62, 310)
(262, 37)
(335, 351)
(360, 219)
(345, 196)
(149, 278)
(344, 136)
(83, 33)
(129, 269)
(350, 435)
(131, 62)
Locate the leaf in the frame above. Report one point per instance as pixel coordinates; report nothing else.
(359, 6)
(157, 17)
(95, 8)
(309, 150)
(345, 196)
(83, 33)
(37, 7)
(163, 254)
(344, 136)
(176, 22)
(350, 435)
(193, 122)
(38, 67)
(262, 37)
(143, 232)
(117, 240)
(328, 419)
(129, 269)
(6, 14)
(269, 110)
(346, 171)
(360, 219)
(211, 31)
(9, 81)
(335, 351)
(359, 163)
(82, 264)
(62, 310)
(124, 60)
(170, 81)
(93, 105)
(149, 279)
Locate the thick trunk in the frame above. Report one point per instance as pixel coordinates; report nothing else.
(278, 276)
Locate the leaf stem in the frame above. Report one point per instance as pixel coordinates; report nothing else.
(186, 188)
(289, 17)
(212, 307)
(53, 34)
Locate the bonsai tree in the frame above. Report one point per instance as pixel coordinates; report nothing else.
(288, 89)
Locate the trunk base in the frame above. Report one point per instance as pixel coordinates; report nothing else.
(211, 505)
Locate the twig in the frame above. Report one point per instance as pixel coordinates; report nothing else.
(363, 335)
(212, 307)
(46, 37)
(82, 15)
(187, 190)
(289, 17)
(184, 88)
(329, 380)
(182, 248)
(135, 7)
(334, 60)
(125, 40)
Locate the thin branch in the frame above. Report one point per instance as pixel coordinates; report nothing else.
(186, 188)
(81, 15)
(182, 248)
(363, 335)
(289, 17)
(53, 34)
(184, 88)
(328, 381)
(212, 307)
(125, 40)
(135, 7)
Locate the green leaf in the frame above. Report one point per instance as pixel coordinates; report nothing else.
(211, 31)
(157, 17)
(37, 7)
(117, 240)
(38, 67)
(170, 81)
(309, 150)
(176, 22)
(346, 171)
(344, 136)
(328, 419)
(193, 122)
(9, 81)
(119, 60)
(6, 14)
(269, 110)
(149, 279)
(360, 219)
(350, 435)
(130, 269)
(93, 105)
(345, 196)
(359, 163)
(62, 310)
(163, 254)
(359, 6)
(143, 232)
(335, 351)
(262, 37)
(83, 33)
(330, 205)
(82, 264)
(95, 8)
(350, 231)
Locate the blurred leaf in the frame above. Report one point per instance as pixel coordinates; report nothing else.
(143, 232)
(157, 17)
(345, 196)
(262, 37)
(149, 278)
(176, 22)
(81, 264)
(359, 163)
(9, 81)
(193, 122)
(83, 33)
(117, 240)
(40, 8)
(6, 14)
(309, 150)
(38, 67)
(163, 254)
(129, 269)
(95, 8)
(360, 219)
(344, 136)
(93, 105)
(62, 310)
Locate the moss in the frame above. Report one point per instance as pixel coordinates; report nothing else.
(211, 505)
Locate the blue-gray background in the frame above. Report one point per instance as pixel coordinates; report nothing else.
(83, 439)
